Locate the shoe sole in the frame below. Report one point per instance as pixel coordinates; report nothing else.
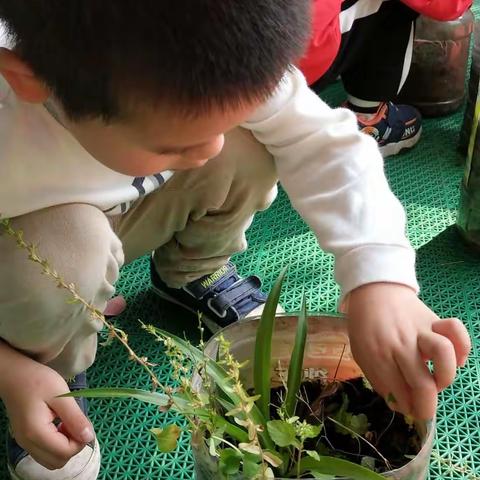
(395, 148)
(209, 323)
(90, 472)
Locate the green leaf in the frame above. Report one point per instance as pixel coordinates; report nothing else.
(282, 433)
(212, 448)
(321, 476)
(313, 454)
(251, 467)
(268, 474)
(357, 423)
(337, 467)
(230, 461)
(312, 431)
(295, 369)
(272, 458)
(145, 396)
(166, 438)
(353, 423)
(230, 429)
(262, 364)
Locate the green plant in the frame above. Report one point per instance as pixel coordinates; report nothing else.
(236, 426)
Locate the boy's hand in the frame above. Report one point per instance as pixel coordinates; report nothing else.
(30, 400)
(392, 335)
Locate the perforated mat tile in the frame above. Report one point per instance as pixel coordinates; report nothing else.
(426, 180)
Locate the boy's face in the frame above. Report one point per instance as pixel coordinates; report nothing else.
(149, 142)
(154, 141)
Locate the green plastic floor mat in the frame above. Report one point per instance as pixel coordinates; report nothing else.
(426, 180)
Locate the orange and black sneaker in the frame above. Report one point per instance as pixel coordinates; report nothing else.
(394, 127)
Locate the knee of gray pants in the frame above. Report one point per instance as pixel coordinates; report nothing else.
(36, 316)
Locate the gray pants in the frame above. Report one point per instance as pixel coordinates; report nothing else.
(194, 224)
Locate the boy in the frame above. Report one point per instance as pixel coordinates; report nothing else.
(120, 135)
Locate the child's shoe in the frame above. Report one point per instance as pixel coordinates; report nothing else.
(222, 297)
(84, 466)
(394, 127)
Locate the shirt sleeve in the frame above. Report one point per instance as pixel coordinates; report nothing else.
(335, 179)
(439, 9)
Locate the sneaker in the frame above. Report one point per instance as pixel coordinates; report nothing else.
(83, 466)
(222, 297)
(394, 127)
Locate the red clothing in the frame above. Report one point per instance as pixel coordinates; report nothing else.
(326, 36)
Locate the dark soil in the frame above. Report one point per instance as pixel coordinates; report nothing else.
(387, 431)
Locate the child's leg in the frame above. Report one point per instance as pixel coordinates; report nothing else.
(35, 316)
(374, 61)
(377, 51)
(197, 221)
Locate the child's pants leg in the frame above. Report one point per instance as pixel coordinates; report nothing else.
(376, 48)
(195, 222)
(35, 315)
(199, 218)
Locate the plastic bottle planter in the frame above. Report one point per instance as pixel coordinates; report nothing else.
(327, 342)
(472, 95)
(468, 219)
(436, 83)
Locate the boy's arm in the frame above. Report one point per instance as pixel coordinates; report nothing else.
(334, 177)
(29, 390)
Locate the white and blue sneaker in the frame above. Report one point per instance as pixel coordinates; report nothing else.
(394, 127)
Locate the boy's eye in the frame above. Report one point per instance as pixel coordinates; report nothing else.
(179, 151)
(171, 152)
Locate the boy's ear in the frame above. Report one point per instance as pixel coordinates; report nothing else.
(21, 78)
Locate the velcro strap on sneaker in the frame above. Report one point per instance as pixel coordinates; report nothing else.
(204, 286)
(234, 294)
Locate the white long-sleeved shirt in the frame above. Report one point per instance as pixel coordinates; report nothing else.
(332, 173)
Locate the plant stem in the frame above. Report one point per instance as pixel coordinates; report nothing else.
(226, 442)
(299, 458)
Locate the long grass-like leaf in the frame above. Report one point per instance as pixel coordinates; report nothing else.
(222, 379)
(338, 468)
(262, 364)
(179, 404)
(295, 369)
(145, 396)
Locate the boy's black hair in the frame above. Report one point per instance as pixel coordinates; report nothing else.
(99, 56)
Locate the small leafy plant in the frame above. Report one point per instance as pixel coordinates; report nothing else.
(245, 434)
